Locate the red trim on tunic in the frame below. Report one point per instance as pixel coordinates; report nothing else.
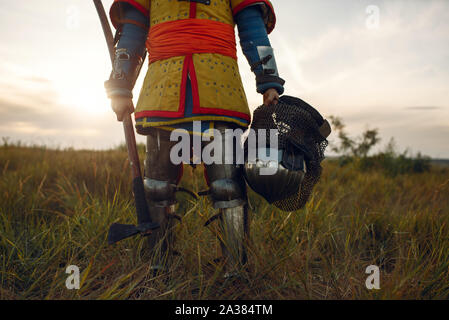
(183, 86)
(246, 3)
(194, 82)
(202, 111)
(192, 12)
(223, 112)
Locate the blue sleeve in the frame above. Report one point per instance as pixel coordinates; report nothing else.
(133, 37)
(253, 33)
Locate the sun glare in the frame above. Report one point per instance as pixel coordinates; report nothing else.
(83, 99)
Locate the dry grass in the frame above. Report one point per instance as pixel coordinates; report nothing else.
(56, 207)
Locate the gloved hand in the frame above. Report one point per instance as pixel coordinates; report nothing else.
(270, 96)
(122, 106)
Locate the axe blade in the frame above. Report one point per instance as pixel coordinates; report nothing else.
(119, 232)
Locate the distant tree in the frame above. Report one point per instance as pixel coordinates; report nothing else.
(356, 150)
(354, 147)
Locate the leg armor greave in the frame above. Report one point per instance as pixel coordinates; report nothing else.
(235, 231)
(228, 193)
(161, 178)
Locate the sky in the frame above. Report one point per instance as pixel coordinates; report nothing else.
(375, 64)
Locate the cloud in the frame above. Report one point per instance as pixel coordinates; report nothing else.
(417, 130)
(347, 64)
(57, 125)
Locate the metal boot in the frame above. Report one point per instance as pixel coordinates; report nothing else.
(161, 241)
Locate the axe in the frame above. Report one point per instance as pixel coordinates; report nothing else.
(145, 225)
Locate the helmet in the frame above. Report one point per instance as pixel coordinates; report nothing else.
(295, 160)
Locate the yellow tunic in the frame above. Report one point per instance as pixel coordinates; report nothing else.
(216, 84)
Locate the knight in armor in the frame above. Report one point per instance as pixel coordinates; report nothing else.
(192, 76)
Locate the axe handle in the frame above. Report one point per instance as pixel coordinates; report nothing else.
(106, 28)
(142, 209)
(143, 215)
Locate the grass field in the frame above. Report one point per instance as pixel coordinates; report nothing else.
(56, 207)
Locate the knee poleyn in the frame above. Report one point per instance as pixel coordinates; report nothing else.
(162, 192)
(227, 193)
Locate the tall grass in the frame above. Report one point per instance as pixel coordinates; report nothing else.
(56, 207)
